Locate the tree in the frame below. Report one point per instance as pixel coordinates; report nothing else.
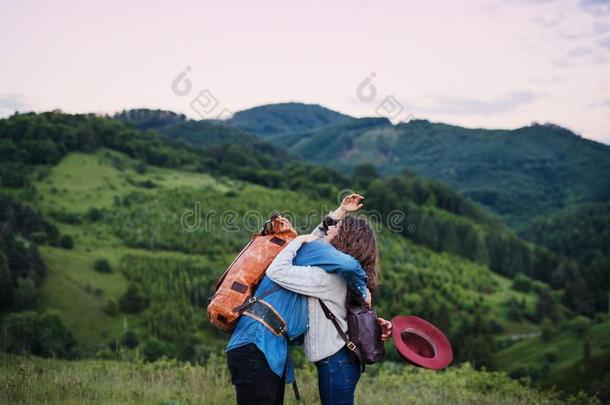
(426, 231)
(153, 349)
(521, 282)
(102, 266)
(364, 173)
(6, 283)
(26, 294)
(66, 242)
(133, 301)
(41, 334)
(94, 214)
(586, 352)
(514, 309)
(546, 330)
(130, 339)
(448, 239)
(546, 306)
(111, 308)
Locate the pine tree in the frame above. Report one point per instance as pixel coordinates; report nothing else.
(586, 352)
(426, 231)
(6, 285)
(448, 238)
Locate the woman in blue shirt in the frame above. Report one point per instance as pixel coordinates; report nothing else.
(257, 353)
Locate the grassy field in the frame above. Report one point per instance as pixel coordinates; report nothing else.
(150, 228)
(566, 345)
(140, 235)
(26, 380)
(73, 287)
(82, 180)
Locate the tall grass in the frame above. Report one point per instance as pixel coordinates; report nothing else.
(36, 380)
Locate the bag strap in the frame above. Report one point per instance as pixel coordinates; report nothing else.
(263, 312)
(252, 300)
(295, 388)
(278, 325)
(350, 345)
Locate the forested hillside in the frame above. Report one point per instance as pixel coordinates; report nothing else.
(115, 232)
(518, 174)
(435, 210)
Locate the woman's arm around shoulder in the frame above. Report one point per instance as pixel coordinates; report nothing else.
(306, 280)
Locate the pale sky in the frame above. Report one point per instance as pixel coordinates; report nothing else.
(492, 64)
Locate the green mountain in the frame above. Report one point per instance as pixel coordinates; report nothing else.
(145, 118)
(517, 174)
(113, 216)
(582, 233)
(285, 118)
(438, 214)
(132, 231)
(487, 243)
(537, 179)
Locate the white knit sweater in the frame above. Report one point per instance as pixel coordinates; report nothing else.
(322, 339)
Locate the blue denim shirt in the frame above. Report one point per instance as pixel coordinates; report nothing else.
(293, 307)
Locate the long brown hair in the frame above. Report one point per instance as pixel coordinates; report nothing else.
(357, 239)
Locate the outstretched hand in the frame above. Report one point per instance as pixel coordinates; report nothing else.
(351, 203)
(386, 328)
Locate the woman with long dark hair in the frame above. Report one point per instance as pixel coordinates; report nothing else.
(338, 372)
(257, 353)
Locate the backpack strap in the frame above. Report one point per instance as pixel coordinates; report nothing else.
(295, 388)
(255, 307)
(350, 345)
(263, 312)
(252, 300)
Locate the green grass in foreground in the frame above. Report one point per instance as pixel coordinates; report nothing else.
(37, 380)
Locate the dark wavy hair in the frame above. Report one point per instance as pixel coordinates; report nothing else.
(357, 238)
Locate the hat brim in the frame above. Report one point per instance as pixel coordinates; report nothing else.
(421, 343)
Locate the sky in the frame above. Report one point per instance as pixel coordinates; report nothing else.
(490, 64)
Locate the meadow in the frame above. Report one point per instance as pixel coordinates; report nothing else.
(111, 246)
(41, 381)
(139, 233)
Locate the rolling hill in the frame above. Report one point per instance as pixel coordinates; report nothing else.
(285, 118)
(573, 356)
(140, 228)
(517, 174)
(127, 272)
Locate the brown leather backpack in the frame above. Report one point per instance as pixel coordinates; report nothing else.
(237, 284)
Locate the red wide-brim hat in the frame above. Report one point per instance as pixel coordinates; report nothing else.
(421, 343)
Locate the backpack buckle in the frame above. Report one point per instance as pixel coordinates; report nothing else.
(252, 300)
(351, 346)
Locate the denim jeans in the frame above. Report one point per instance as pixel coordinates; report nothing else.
(337, 378)
(255, 382)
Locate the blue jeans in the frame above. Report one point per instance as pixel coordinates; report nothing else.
(337, 378)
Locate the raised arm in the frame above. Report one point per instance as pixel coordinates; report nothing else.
(344, 265)
(349, 204)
